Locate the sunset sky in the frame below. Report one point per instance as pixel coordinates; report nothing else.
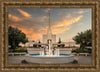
(65, 22)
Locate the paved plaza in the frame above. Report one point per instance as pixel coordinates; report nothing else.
(80, 59)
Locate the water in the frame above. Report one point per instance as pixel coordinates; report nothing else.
(53, 55)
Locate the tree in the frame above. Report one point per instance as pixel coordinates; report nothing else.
(24, 41)
(15, 36)
(59, 40)
(63, 45)
(58, 45)
(33, 41)
(84, 38)
(39, 44)
(34, 45)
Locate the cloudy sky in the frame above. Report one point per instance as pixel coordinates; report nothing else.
(65, 22)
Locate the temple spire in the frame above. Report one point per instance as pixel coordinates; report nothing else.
(49, 32)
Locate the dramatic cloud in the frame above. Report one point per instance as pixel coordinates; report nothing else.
(35, 25)
(24, 13)
(80, 24)
(28, 27)
(36, 33)
(47, 10)
(14, 18)
(66, 22)
(63, 25)
(69, 16)
(80, 12)
(43, 30)
(59, 30)
(30, 33)
(41, 18)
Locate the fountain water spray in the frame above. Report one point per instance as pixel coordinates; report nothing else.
(49, 49)
(40, 53)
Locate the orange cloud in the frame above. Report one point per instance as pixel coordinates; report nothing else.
(43, 30)
(24, 13)
(80, 24)
(68, 16)
(80, 12)
(46, 10)
(30, 34)
(61, 26)
(54, 30)
(58, 27)
(59, 30)
(42, 18)
(12, 25)
(68, 22)
(14, 18)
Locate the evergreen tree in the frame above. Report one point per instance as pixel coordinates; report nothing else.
(59, 40)
(39, 44)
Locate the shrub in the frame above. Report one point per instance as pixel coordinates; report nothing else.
(11, 50)
(73, 50)
(63, 45)
(34, 45)
(82, 50)
(17, 50)
(58, 45)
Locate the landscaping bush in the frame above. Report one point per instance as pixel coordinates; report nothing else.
(34, 45)
(21, 50)
(17, 50)
(63, 45)
(81, 50)
(86, 50)
(58, 45)
(11, 50)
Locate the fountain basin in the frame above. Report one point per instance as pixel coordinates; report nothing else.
(52, 59)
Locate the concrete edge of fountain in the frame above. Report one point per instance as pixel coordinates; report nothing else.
(49, 59)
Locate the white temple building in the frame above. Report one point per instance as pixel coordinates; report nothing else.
(49, 34)
(52, 36)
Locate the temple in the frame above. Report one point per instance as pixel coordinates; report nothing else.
(49, 46)
(49, 35)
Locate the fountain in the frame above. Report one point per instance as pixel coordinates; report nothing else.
(50, 55)
(49, 58)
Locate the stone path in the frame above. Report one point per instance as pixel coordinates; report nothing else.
(84, 59)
